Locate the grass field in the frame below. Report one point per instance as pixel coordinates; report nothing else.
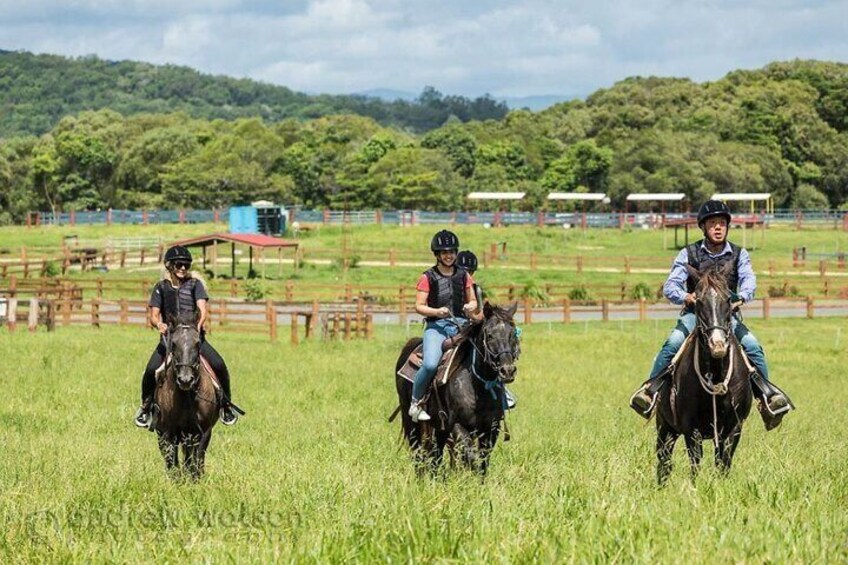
(314, 472)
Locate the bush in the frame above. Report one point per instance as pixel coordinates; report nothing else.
(52, 269)
(579, 293)
(641, 290)
(783, 290)
(256, 289)
(536, 295)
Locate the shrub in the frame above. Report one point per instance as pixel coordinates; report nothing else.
(52, 269)
(536, 295)
(256, 289)
(579, 293)
(641, 290)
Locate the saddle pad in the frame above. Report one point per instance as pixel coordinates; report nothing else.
(206, 367)
(413, 363)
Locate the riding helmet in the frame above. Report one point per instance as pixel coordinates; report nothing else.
(711, 209)
(467, 260)
(178, 253)
(444, 241)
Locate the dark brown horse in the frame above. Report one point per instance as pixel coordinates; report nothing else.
(710, 394)
(186, 402)
(468, 411)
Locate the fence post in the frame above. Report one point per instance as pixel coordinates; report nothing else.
(233, 288)
(392, 258)
(771, 268)
(314, 319)
(294, 337)
(271, 314)
(623, 290)
(32, 319)
(604, 310)
(579, 263)
(566, 310)
(347, 326)
(810, 307)
(289, 291)
(125, 312)
(532, 261)
(141, 257)
(626, 265)
(766, 308)
(99, 284)
(402, 305)
(643, 310)
(528, 311)
(95, 313)
(13, 285)
(822, 267)
(12, 314)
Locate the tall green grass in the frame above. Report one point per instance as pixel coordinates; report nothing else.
(314, 472)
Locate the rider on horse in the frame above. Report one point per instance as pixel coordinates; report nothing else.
(712, 252)
(468, 261)
(445, 297)
(179, 291)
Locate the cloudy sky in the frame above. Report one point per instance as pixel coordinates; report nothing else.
(467, 47)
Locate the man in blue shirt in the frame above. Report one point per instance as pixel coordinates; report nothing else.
(714, 251)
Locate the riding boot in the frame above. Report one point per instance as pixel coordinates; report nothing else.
(643, 400)
(144, 416)
(774, 403)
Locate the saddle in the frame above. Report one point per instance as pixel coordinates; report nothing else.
(413, 363)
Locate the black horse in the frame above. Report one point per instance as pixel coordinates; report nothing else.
(186, 402)
(468, 410)
(710, 394)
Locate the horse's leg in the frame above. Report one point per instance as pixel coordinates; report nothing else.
(725, 450)
(666, 438)
(695, 448)
(201, 452)
(168, 449)
(191, 444)
(464, 444)
(487, 444)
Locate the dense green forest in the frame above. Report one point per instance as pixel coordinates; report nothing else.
(781, 129)
(36, 91)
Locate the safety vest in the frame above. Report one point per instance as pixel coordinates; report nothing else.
(177, 301)
(447, 290)
(700, 259)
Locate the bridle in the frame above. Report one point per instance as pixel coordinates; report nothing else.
(195, 367)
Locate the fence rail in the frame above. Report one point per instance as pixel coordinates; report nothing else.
(356, 320)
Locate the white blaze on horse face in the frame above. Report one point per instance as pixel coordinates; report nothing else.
(717, 338)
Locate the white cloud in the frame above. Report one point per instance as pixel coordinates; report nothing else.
(535, 47)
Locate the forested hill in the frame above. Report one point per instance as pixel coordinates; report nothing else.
(781, 129)
(36, 91)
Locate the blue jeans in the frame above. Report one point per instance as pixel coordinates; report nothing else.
(685, 325)
(435, 333)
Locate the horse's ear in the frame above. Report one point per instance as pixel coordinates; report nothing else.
(512, 308)
(694, 274)
(487, 309)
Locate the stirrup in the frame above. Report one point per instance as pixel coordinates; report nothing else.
(767, 391)
(651, 390)
(228, 416)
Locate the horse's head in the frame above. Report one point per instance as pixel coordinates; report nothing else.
(499, 341)
(713, 309)
(184, 346)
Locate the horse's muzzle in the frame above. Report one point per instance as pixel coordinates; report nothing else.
(506, 373)
(185, 380)
(718, 345)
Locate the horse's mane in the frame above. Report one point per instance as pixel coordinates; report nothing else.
(501, 314)
(715, 280)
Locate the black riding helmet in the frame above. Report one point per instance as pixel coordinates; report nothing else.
(467, 260)
(177, 253)
(711, 209)
(444, 241)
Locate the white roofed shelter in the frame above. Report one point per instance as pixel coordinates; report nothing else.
(752, 220)
(751, 197)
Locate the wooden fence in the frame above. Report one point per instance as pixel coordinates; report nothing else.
(356, 320)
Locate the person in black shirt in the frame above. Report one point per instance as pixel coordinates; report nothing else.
(180, 290)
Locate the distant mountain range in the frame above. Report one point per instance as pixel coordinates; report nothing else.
(534, 103)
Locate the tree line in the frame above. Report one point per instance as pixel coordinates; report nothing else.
(780, 129)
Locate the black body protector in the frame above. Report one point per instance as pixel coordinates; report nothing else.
(447, 290)
(177, 301)
(701, 260)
